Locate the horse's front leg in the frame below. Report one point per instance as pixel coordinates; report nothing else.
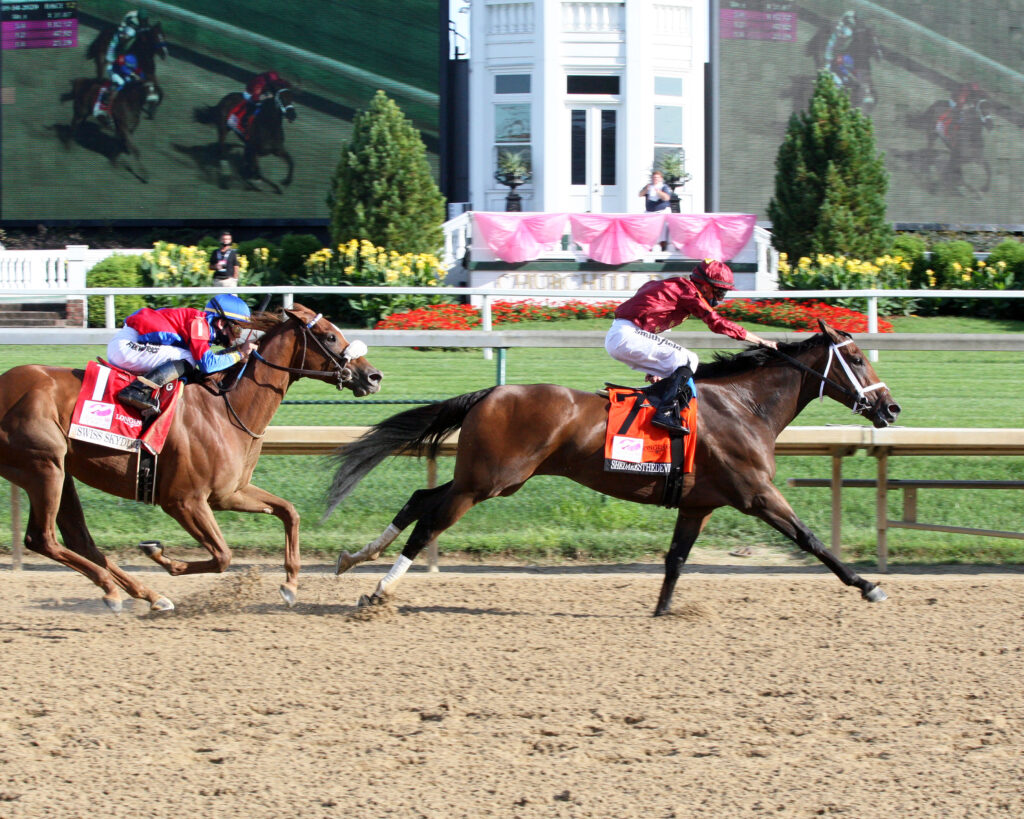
(686, 532)
(771, 507)
(287, 157)
(253, 499)
(196, 517)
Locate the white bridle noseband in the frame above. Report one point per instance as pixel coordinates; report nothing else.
(861, 402)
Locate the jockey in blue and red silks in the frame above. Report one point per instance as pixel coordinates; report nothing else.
(260, 88)
(658, 305)
(165, 344)
(121, 67)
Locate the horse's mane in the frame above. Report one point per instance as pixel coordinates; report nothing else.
(263, 321)
(725, 365)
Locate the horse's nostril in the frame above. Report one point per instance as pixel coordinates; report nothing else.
(894, 409)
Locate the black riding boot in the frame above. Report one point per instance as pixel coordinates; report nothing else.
(139, 393)
(668, 396)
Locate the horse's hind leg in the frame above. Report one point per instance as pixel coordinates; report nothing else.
(434, 519)
(287, 157)
(71, 522)
(44, 492)
(683, 537)
(420, 500)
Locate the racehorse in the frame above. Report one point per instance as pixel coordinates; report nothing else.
(510, 433)
(962, 131)
(125, 110)
(206, 463)
(148, 44)
(264, 135)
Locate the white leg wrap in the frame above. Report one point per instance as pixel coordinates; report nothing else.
(373, 549)
(400, 567)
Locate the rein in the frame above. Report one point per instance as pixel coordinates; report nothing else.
(858, 393)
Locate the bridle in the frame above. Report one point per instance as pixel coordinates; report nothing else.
(282, 106)
(859, 393)
(343, 374)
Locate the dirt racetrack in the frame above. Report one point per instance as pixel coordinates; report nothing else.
(528, 693)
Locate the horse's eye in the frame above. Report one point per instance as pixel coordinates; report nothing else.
(331, 338)
(856, 361)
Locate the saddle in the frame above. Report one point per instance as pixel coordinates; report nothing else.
(240, 119)
(635, 446)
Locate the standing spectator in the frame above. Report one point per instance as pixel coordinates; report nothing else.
(657, 194)
(224, 262)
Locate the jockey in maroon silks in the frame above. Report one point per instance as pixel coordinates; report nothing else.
(260, 88)
(658, 305)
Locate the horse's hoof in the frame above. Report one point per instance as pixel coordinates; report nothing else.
(288, 595)
(345, 562)
(370, 600)
(874, 595)
(161, 604)
(151, 548)
(114, 604)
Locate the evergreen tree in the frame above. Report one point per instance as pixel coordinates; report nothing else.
(830, 183)
(383, 189)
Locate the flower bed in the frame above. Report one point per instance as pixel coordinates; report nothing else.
(466, 317)
(799, 315)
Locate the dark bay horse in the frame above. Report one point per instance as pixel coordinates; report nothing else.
(206, 464)
(125, 112)
(962, 131)
(510, 433)
(264, 136)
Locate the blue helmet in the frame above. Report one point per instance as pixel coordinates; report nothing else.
(131, 61)
(229, 306)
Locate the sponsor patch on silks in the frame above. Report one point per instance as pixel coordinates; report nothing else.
(100, 419)
(633, 445)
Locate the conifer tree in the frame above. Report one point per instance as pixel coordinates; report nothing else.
(830, 183)
(383, 189)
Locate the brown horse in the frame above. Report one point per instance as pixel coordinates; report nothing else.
(125, 112)
(511, 433)
(206, 463)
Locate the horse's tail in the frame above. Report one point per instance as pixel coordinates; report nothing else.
(425, 426)
(205, 114)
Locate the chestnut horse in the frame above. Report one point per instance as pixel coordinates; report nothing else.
(206, 463)
(510, 433)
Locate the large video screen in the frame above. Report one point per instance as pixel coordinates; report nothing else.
(164, 153)
(942, 80)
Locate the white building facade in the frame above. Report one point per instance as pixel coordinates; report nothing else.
(591, 93)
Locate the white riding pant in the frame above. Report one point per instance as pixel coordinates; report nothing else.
(127, 352)
(646, 352)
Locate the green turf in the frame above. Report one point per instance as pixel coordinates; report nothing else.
(552, 518)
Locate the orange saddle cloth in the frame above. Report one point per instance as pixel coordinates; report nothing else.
(633, 445)
(101, 419)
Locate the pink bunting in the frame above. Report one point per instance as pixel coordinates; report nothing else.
(616, 238)
(520, 237)
(710, 235)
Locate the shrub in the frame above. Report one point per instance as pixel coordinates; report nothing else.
(914, 250)
(295, 248)
(114, 271)
(383, 189)
(830, 182)
(1011, 252)
(799, 315)
(362, 263)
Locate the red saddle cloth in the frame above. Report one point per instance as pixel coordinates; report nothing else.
(240, 119)
(633, 445)
(101, 419)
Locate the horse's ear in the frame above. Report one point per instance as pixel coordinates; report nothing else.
(828, 331)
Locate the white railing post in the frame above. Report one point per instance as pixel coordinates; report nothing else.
(485, 323)
(288, 301)
(74, 277)
(873, 323)
(108, 307)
